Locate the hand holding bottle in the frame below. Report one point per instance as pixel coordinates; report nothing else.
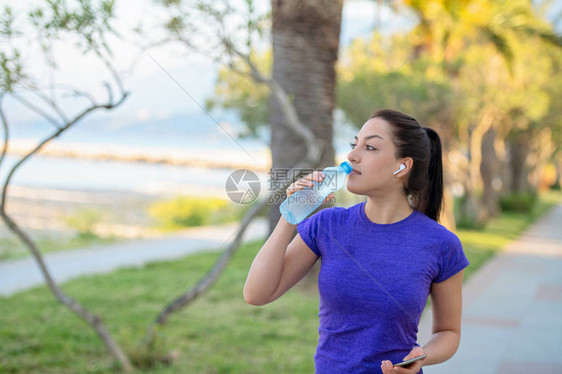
(311, 191)
(308, 181)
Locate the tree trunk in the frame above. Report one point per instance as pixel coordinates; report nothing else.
(490, 169)
(476, 137)
(520, 144)
(471, 207)
(542, 151)
(305, 38)
(558, 167)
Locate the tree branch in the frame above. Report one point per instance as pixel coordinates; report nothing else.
(73, 305)
(213, 274)
(313, 154)
(37, 110)
(51, 137)
(313, 149)
(51, 103)
(57, 24)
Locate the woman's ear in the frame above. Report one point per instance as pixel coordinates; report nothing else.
(408, 162)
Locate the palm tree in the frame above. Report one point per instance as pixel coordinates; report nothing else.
(305, 38)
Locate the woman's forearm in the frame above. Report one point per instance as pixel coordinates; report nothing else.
(441, 347)
(265, 272)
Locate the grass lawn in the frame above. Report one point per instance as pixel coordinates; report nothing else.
(219, 333)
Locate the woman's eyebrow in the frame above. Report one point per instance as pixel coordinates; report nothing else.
(371, 136)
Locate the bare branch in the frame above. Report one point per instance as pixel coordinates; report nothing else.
(212, 275)
(68, 91)
(282, 98)
(114, 74)
(36, 109)
(86, 95)
(69, 124)
(60, 21)
(52, 104)
(109, 91)
(72, 304)
(280, 95)
(313, 154)
(53, 98)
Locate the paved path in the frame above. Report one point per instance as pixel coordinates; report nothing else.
(512, 309)
(22, 274)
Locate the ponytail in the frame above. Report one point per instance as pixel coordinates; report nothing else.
(424, 183)
(434, 194)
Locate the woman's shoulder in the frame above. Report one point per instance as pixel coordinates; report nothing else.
(434, 230)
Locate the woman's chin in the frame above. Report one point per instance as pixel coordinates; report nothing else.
(351, 187)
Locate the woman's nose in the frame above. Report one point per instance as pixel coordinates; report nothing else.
(352, 156)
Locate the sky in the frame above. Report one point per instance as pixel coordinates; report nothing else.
(167, 81)
(166, 85)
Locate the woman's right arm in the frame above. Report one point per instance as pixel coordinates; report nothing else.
(279, 265)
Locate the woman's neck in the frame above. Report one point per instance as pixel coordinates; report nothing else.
(387, 209)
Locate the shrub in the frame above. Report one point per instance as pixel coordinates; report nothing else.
(84, 221)
(521, 202)
(466, 214)
(189, 211)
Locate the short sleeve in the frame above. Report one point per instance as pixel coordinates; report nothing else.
(308, 231)
(451, 260)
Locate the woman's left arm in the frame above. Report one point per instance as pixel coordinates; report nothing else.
(446, 302)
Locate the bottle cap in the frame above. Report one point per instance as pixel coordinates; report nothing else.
(346, 167)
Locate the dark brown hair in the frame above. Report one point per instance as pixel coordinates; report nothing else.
(422, 144)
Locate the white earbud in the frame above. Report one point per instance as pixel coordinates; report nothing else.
(402, 167)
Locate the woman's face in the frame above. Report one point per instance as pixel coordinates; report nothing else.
(373, 160)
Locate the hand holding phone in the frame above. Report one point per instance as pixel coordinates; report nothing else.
(410, 361)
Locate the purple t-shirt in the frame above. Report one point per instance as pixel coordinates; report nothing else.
(374, 282)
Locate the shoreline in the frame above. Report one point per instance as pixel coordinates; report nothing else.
(207, 159)
(217, 159)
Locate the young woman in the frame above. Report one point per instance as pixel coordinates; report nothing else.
(381, 259)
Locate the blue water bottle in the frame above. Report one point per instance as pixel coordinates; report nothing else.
(303, 202)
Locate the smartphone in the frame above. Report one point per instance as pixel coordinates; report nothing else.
(410, 361)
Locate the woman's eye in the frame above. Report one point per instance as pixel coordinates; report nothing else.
(368, 147)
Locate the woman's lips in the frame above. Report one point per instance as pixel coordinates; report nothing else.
(354, 172)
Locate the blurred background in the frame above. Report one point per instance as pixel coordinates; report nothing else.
(143, 109)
